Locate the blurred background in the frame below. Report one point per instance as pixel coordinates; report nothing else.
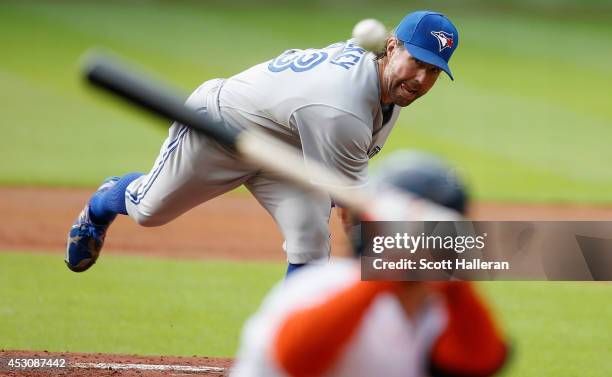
(528, 119)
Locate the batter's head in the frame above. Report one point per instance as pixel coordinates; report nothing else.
(423, 175)
(420, 174)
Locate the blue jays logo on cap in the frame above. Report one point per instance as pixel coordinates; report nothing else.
(430, 37)
(444, 39)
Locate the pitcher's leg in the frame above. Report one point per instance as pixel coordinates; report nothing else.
(301, 215)
(104, 206)
(190, 170)
(185, 175)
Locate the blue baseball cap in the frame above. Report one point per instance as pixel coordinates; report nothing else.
(430, 37)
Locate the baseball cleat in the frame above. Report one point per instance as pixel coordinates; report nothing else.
(85, 239)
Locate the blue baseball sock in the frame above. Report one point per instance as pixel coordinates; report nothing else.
(104, 206)
(291, 268)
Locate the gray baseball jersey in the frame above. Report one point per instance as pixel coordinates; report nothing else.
(324, 101)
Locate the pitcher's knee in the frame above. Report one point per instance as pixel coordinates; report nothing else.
(148, 219)
(307, 247)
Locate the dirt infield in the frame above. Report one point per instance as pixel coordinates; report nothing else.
(231, 227)
(101, 365)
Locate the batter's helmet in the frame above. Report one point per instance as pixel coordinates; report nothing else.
(420, 174)
(424, 175)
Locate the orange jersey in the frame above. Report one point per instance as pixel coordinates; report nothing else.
(324, 321)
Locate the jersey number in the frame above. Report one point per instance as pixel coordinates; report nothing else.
(304, 60)
(297, 61)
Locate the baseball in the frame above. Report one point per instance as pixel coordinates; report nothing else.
(370, 34)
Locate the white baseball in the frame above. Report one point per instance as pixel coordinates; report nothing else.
(370, 34)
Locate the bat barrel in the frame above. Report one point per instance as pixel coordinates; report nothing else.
(155, 97)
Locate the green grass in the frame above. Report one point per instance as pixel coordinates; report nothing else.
(557, 328)
(527, 119)
(129, 304)
(170, 307)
